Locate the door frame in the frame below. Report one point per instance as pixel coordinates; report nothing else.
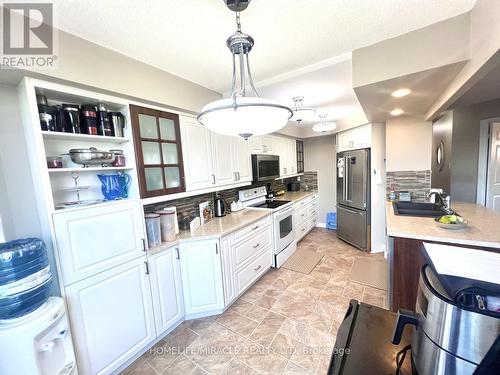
(483, 160)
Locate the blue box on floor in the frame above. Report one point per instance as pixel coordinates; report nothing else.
(331, 220)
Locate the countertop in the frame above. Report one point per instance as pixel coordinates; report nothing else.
(217, 227)
(482, 229)
(295, 196)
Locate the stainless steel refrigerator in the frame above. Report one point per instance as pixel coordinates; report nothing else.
(353, 198)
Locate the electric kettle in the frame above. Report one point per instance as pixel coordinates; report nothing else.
(220, 206)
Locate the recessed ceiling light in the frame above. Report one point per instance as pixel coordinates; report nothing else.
(401, 92)
(397, 112)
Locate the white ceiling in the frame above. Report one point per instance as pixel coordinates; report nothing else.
(187, 37)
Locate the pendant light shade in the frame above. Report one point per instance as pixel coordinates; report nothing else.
(240, 114)
(302, 113)
(251, 116)
(324, 125)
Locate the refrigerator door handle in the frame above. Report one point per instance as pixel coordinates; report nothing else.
(346, 178)
(351, 211)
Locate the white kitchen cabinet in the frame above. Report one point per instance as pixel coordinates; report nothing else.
(111, 317)
(262, 144)
(305, 215)
(201, 272)
(355, 138)
(242, 156)
(227, 270)
(94, 239)
(166, 288)
(286, 148)
(197, 154)
(224, 158)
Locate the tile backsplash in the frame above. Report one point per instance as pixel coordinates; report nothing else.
(418, 183)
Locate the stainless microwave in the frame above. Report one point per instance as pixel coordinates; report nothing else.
(265, 167)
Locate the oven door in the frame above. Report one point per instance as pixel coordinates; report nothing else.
(284, 231)
(265, 167)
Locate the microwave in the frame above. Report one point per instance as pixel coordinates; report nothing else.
(265, 167)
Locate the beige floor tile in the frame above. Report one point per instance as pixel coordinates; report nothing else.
(306, 357)
(293, 369)
(265, 362)
(237, 323)
(240, 306)
(200, 325)
(236, 367)
(181, 366)
(324, 362)
(180, 338)
(353, 290)
(283, 345)
(198, 371)
(256, 313)
(139, 367)
(266, 301)
(267, 330)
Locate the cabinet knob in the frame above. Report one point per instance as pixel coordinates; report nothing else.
(258, 268)
(256, 246)
(255, 227)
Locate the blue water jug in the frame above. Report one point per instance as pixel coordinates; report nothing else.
(114, 186)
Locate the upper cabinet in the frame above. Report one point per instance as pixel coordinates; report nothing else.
(287, 150)
(158, 150)
(300, 156)
(360, 137)
(213, 160)
(263, 144)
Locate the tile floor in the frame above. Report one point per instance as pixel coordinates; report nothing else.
(284, 324)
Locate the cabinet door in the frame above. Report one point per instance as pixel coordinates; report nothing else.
(197, 155)
(227, 270)
(111, 317)
(292, 156)
(362, 137)
(257, 144)
(267, 142)
(201, 276)
(242, 156)
(280, 150)
(166, 286)
(223, 158)
(95, 239)
(344, 139)
(157, 140)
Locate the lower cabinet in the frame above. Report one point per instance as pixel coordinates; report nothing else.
(166, 288)
(201, 272)
(305, 215)
(227, 270)
(111, 317)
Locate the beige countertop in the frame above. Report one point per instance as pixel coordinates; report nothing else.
(217, 227)
(482, 230)
(295, 195)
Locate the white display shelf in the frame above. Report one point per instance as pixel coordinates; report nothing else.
(89, 169)
(83, 137)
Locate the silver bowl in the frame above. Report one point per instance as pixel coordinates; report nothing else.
(91, 156)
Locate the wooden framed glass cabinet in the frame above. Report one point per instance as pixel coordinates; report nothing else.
(300, 156)
(157, 140)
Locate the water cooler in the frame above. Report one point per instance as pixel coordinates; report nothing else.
(34, 331)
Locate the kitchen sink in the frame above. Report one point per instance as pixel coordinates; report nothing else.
(421, 209)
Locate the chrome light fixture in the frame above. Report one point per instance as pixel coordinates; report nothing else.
(324, 125)
(301, 113)
(240, 114)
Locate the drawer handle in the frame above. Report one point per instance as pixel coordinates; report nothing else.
(303, 229)
(255, 227)
(256, 246)
(258, 268)
(303, 215)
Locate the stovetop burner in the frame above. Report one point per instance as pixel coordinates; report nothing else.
(272, 204)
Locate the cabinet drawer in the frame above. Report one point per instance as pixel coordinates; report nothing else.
(300, 214)
(254, 269)
(244, 233)
(301, 229)
(246, 249)
(96, 239)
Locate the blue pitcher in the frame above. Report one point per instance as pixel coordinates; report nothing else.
(114, 186)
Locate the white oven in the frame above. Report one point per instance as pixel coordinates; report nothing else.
(284, 233)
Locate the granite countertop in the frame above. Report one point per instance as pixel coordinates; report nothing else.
(217, 227)
(295, 195)
(482, 229)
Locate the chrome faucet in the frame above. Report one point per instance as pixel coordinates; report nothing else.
(442, 199)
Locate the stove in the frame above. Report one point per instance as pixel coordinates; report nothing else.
(284, 244)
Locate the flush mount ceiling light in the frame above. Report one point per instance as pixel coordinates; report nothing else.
(301, 113)
(240, 114)
(324, 125)
(400, 93)
(397, 112)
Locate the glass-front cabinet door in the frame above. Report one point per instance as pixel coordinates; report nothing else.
(300, 156)
(157, 140)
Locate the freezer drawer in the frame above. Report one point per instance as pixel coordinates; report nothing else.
(352, 226)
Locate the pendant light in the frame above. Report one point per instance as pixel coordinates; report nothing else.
(302, 113)
(240, 114)
(324, 125)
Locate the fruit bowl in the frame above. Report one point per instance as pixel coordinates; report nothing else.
(452, 222)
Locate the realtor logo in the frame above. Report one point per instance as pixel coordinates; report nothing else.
(28, 35)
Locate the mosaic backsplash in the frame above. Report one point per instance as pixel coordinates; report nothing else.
(418, 183)
(189, 206)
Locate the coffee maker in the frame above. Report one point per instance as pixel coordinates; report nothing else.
(448, 338)
(219, 206)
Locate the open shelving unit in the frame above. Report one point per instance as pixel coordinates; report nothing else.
(57, 183)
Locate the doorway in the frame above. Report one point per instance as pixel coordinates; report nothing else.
(488, 192)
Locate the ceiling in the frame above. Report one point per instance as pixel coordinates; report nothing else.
(426, 87)
(187, 38)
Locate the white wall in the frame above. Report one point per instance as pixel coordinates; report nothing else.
(378, 199)
(319, 156)
(408, 144)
